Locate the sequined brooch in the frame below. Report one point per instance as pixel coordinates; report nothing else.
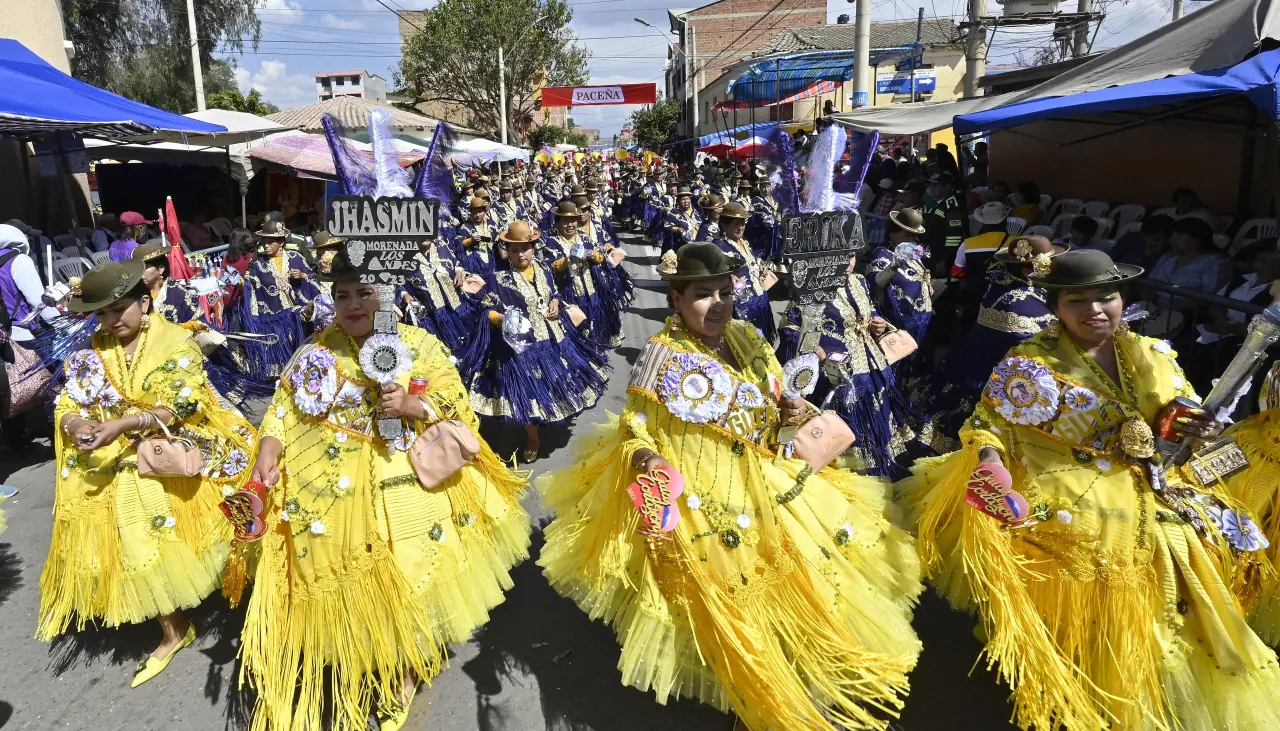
(87, 380)
(1023, 391)
(695, 388)
(315, 382)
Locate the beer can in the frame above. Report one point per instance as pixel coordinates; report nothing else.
(417, 386)
(1166, 432)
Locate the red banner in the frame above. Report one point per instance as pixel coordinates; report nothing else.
(586, 96)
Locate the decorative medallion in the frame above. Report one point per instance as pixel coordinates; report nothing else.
(1023, 391)
(749, 396)
(800, 376)
(383, 357)
(315, 381)
(1136, 439)
(1078, 398)
(695, 388)
(86, 377)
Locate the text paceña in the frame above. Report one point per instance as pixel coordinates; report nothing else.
(367, 216)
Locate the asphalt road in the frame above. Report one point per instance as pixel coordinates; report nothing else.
(539, 665)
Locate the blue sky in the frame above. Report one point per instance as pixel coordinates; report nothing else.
(303, 37)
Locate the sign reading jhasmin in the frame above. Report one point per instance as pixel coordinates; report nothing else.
(383, 234)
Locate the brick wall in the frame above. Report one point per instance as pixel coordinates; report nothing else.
(730, 30)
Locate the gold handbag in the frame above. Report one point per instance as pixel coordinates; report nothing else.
(169, 457)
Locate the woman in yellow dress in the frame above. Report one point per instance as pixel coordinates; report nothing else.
(782, 595)
(1109, 590)
(366, 575)
(128, 547)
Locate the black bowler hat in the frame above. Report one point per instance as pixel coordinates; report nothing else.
(698, 260)
(1082, 268)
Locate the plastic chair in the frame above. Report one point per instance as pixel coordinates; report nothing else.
(1046, 201)
(1223, 222)
(1250, 231)
(1169, 211)
(1061, 224)
(100, 257)
(1104, 226)
(1065, 205)
(975, 228)
(981, 192)
(1014, 225)
(1126, 214)
(1041, 230)
(1128, 228)
(1096, 209)
(72, 266)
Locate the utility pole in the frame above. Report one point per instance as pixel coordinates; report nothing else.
(975, 64)
(693, 61)
(1177, 9)
(862, 62)
(920, 47)
(502, 94)
(1080, 36)
(195, 54)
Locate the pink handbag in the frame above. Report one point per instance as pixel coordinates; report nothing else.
(169, 457)
(443, 449)
(897, 344)
(821, 439)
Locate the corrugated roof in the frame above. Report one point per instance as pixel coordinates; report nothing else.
(893, 34)
(341, 73)
(351, 112)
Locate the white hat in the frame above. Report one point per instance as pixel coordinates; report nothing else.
(991, 214)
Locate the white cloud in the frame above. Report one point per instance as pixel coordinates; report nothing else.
(341, 23)
(274, 82)
(280, 8)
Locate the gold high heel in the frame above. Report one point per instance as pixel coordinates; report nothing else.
(151, 667)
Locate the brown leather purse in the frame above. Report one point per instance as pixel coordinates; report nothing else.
(443, 449)
(169, 457)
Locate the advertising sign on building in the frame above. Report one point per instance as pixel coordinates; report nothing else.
(585, 96)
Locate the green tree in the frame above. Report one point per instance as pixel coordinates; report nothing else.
(140, 48)
(655, 125)
(547, 134)
(233, 100)
(453, 57)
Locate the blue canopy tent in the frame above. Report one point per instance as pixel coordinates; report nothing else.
(37, 99)
(1254, 78)
(775, 77)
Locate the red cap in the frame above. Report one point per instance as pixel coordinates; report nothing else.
(132, 218)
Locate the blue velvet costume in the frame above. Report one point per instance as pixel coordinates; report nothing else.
(1012, 311)
(558, 376)
(751, 300)
(890, 433)
(451, 315)
(907, 303)
(476, 247)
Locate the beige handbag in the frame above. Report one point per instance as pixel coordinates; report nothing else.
(169, 457)
(443, 449)
(821, 439)
(576, 315)
(897, 344)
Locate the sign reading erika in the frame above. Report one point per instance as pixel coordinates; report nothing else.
(584, 96)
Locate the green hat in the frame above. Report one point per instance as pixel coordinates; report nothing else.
(583, 203)
(149, 252)
(698, 260)
(577, 191)
(684, 190)
(1082, 268)
(711, 202)
(567, 209)
(272, 229)
(338, 269)
(326, 240)
(104, 284)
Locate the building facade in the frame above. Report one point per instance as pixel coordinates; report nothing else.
(362, 84)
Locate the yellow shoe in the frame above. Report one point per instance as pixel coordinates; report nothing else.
(395, 720)
(151, 667)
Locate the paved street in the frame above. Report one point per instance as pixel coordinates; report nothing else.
(539, 663)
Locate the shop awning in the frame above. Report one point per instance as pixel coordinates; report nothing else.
(816, 89)
(759, 129)
(36, 98)
(767, 79)
(1254, 78)
(914, 119)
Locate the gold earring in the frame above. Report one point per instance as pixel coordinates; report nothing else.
(1123, 328)
(1053, 329)
(146, 320)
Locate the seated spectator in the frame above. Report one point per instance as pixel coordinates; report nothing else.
(999, 192)
(1028, 209)
(107, 228)
(132, 232)
(1186, 204)
(910, 196)
(887, 199)
(1218, 340)
(1190, 263)
(240, 250)
(1083, 234)
(195, 234)
(1144, 247)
